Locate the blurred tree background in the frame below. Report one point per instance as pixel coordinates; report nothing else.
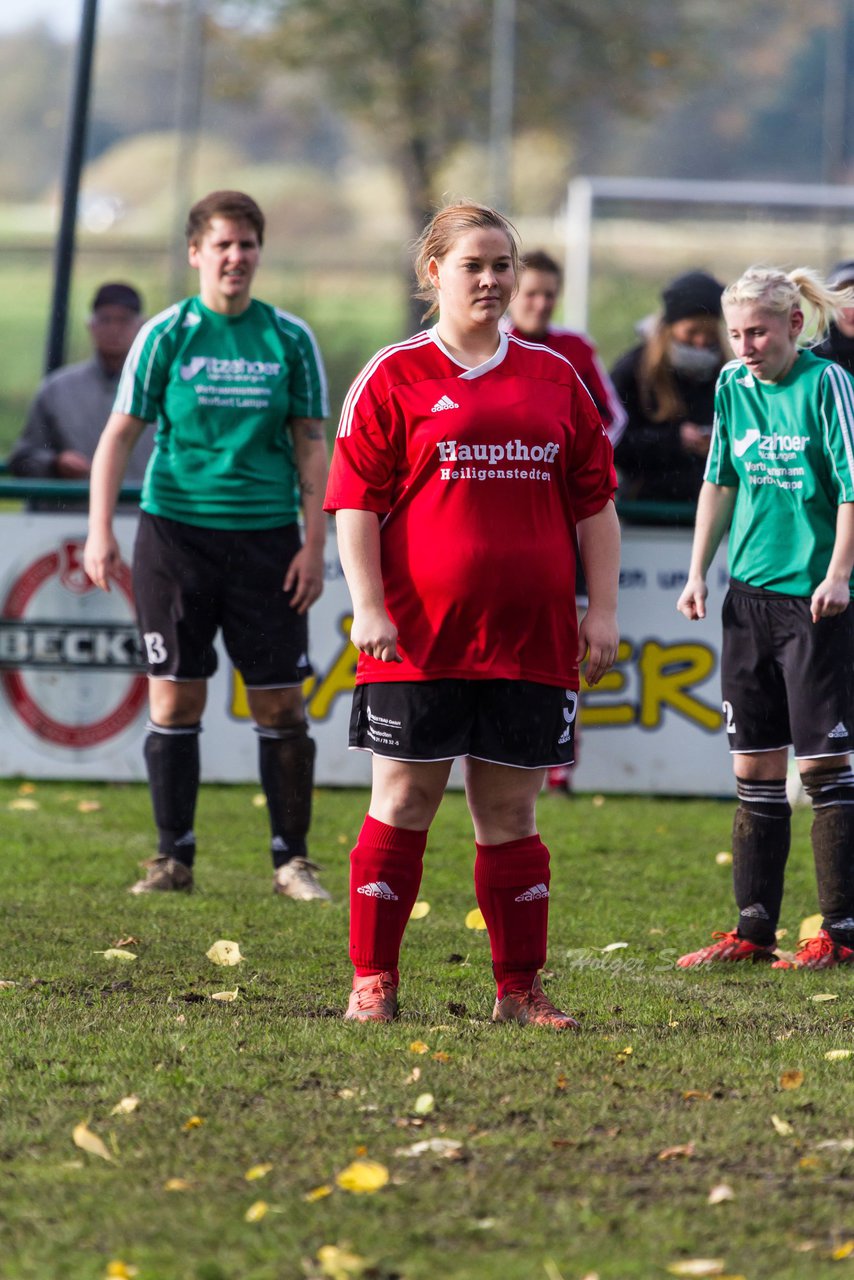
(349, 122)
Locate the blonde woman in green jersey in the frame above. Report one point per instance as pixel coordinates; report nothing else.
(781, 471)
(238, 392)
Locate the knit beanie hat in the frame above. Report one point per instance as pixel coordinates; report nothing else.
(693, 294)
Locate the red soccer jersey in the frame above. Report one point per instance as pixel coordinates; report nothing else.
(581, 354)
(479, 476)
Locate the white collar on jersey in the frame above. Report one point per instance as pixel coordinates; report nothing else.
(480, 369)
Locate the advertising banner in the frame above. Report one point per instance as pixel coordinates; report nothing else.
(73, 697)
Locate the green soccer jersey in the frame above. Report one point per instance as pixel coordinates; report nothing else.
(222, 389)
(788, 448)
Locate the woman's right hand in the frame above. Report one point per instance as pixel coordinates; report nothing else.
(102, 558)
(374, 633)
(692, 601)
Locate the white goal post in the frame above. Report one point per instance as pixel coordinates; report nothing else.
(584, 192)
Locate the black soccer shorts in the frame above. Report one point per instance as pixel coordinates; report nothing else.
(785, 679)
(190, 581)
(512, 722)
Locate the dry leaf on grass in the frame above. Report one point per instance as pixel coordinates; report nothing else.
(225, 996)
(6, 985)
(88, 1141)
(413, 1077)
(783, 1127)
(224, 952)
(685, 1151)
(117, 1270)
(340, 1263)
(363, 1177)
(26, 788)
(837, 1055)
(809, 1162)
(724, 858)
(441, 1056)
(843, 1251)
(723, 1191)
(257, 1171)
(823, 997)
(419, 911)
(25, 805)
(792, 1079)
(259, 800)
(318, 1193)
(447, 1147)
(614, 946)
(125, 1105)
(697, 1267)
(194, 1122)
(475, 920)
(598, 802)
(810, 927)
(88, 806)
(177, 1184)
(424, 1104)
(116, 953)
(418, 1046)
(256, 1211)
(696, 1095)
(835, 1144)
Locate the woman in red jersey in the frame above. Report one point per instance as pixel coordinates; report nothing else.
(467, 462)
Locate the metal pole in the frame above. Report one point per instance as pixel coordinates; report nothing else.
(191, 82)
(579, 217)
(75, 146)
(501, 102)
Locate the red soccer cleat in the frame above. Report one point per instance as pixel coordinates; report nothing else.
(373, 999)
(729, 947)
(820, 952)
(532, 1009)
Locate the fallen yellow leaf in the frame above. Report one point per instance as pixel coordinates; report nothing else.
(441, 1056)
(88, 1141)
(424, 1104)
(256, 1211)
(318, 1193)
(224, 952)
(837, 1055)
(697, 1267)
(259, 800)
(125, 1105)
(685, 1151)
(598, 801)
(25, 805)
(824, 996)
(792, 1079)
(614, 946)
(225, 996)
(176, 1184)
(257, 1171)
(475, 920)
(339, 1263)
(843, 1251)
(626, 1053)
(117, 953)
(419, 911)
(696, 1095)
(6, 985)
(809, 927)
(414, 1076)
(194, 1122)
(449, 1148)
(724, 858)
(418, 1046)
(26, 788)
(723, 1191)
(117, 1270)
(783, 1127)
(809, 1162)
(363, 1177)
(88, 806)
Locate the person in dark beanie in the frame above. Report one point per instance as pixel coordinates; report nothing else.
(70, 408)
(839, 343)
(667, 386)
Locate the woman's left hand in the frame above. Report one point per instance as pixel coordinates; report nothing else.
(830, 598)
(304, 578)
(598, 638)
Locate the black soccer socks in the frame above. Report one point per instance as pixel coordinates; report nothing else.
(831, 791)
(286, 763)
(761, 836)
(172, 761)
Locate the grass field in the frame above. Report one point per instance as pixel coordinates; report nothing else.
(578, 1155)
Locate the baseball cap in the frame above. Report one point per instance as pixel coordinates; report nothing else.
(115, 294)
(842, 273)
(694, 294)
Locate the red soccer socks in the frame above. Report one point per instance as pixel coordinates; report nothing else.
(385, 875)
(511, 883)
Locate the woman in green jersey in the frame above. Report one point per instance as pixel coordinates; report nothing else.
(781, 471)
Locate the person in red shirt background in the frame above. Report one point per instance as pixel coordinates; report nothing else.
(466, 463)
(530, 317)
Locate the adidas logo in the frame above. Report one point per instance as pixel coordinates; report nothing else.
(445, 403)
(565, 736)
(535, 892)
(839, 731)
(377, 889)
(190, 321)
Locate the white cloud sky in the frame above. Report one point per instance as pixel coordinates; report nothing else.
(63, 16)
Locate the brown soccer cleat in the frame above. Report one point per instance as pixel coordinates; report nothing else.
(164, 875)
(532, 1009)
(373, 999)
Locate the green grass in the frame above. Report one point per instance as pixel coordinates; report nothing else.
(560, 1172)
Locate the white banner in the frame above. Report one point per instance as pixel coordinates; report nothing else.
(72, 699)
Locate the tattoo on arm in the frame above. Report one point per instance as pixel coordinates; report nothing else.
(310, 428)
